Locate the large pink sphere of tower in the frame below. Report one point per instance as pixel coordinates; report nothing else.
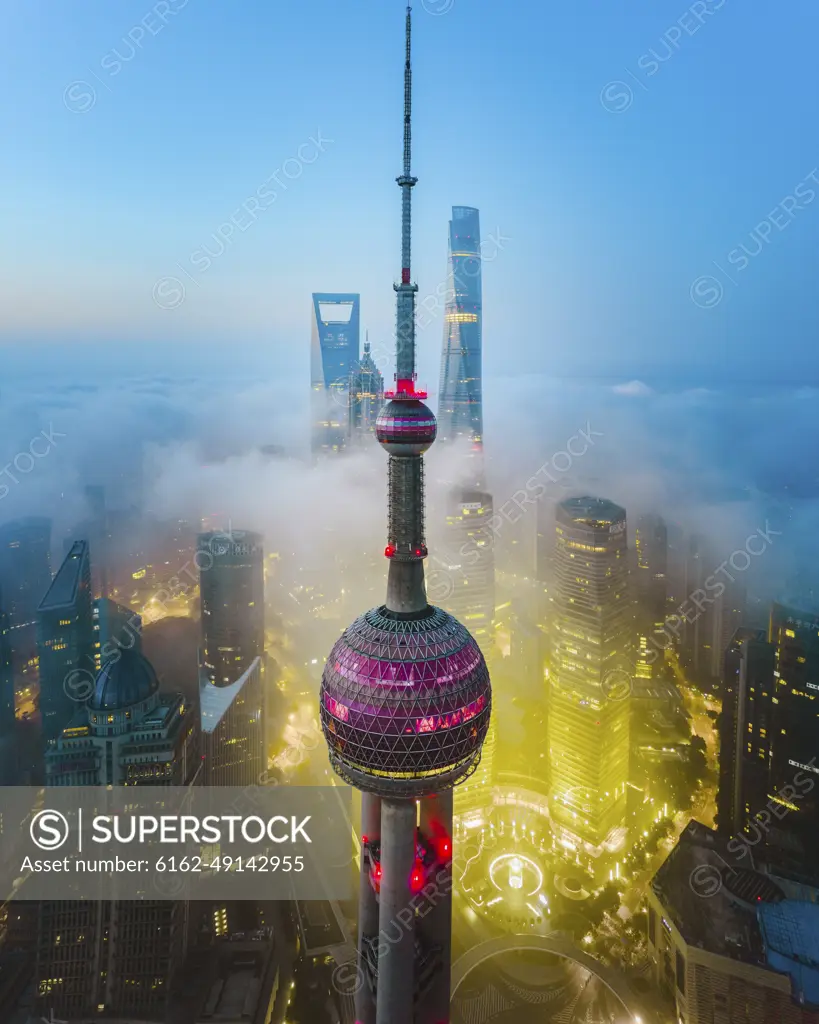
(405, 703)
(406, 427)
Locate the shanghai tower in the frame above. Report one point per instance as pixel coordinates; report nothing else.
(460, 403)
(405, 705)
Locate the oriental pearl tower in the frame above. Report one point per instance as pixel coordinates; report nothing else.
(405, 705)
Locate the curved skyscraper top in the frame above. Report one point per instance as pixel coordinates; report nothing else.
(460, 398)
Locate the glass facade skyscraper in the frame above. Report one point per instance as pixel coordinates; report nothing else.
(366, 397)
(65, 641)
(588, 725)
(231, 592)
(334, 351)
(770, 732)
(460, 399)
(468, 558)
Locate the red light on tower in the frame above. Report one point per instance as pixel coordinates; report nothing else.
(444, 848)
(417, 878)
(377, 872)
(389, 550)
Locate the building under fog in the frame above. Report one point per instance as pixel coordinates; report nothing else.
(334, 352)
(588, 733)
(25, 568)
(651, 593)
(65, 641)
(769, 731)
(233, 729)
(365, 398)
(460, 399)
(104, 958)
(115, 628)
(719, 608)
(231, 590)
(25, 576)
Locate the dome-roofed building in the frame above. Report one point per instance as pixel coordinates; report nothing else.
(126, 679)
(127, 733)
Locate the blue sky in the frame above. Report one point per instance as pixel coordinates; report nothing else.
(120, 161)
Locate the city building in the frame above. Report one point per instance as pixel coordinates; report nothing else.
(467, 565)
(730, 940)
(651, 592)
(25, 568)
(790, 738)
(115, 627)
(233, 729)
(243, 981)
(334, 352)
(588, 732)
(8, 720)
(769, 735)
(25, 576)
(97, 530)
(468, 560)
(366, 397)
(747, 672)
(65, 641)
(460, 402)
(707, 631)
(405, 704)
(106, 959)
(231, 592)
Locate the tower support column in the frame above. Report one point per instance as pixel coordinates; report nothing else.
(435, 912)
(367, 908)
(396, 940)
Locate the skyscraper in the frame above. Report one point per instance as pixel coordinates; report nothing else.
(334, 351)
(651, 548)
(460, 403)
(366, 397)
(231, 591)
(25, 567)
(233, 741)
(747, 685)
(115, 628)
(706, 636)
(469, 559)
(25, 576)
(65, 641)
(588, 732)
(405, 704)
(118, 958)
(769, 731)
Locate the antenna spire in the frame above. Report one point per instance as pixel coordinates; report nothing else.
(405, 319)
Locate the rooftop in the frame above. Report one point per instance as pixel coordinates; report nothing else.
(790, 931)
(592, 511)
(214, 701)
(64, 587)
(711, 898)
(127, 679)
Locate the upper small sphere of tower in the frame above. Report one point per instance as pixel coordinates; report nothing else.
(406, 427)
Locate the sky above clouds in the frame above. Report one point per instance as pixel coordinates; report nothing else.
(646, 167)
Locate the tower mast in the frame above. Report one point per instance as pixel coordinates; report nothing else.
(407, 427)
